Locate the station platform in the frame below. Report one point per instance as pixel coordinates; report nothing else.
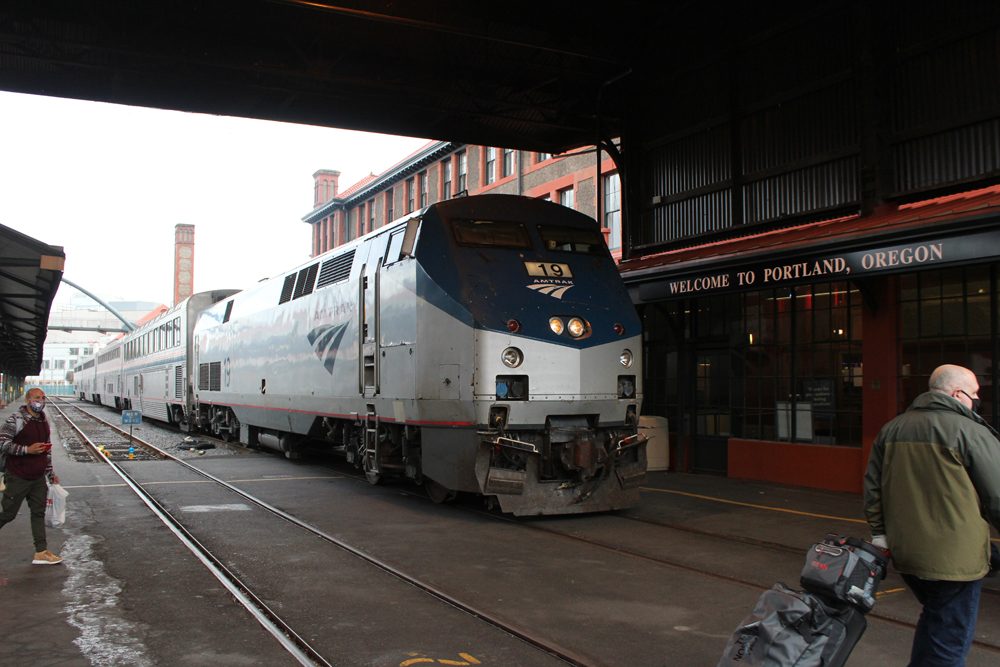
(129, 594)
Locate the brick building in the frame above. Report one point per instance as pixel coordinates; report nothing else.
(442, 170)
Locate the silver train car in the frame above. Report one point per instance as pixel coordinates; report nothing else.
(483, 344)
(147, 369)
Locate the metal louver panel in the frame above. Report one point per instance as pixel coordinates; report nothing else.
(179, 382)
(286, 289)
(215, 376)
(203, 377)
(307, 278)
(336, 269)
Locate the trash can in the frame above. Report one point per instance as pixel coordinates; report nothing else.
(658, 442)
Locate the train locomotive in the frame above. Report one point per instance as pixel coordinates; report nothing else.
(482, 344)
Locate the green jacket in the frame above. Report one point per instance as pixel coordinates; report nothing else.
(933, 481)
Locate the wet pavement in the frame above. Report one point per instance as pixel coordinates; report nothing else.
(131, 594)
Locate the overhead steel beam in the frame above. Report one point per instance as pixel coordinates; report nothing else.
(128, 325)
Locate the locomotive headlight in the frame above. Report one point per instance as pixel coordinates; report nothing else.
(626, 358)
(512, 357)
(556, 325)
(576, 327)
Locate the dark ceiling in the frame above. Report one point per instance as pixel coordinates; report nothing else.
(518, 74)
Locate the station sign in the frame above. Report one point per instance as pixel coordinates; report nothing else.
(828, 267)
(131, 417)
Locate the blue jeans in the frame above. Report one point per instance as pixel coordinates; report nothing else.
(948, 622)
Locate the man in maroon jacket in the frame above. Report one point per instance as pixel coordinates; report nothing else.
(24, 438)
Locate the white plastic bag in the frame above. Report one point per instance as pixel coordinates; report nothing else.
(55, 506)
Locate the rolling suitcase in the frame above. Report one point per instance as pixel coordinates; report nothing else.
(790, 628)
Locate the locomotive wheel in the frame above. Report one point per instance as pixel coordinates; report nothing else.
(373, 477)
(437, 493)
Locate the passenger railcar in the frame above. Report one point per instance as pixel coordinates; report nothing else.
(483, 344)
(147, 369)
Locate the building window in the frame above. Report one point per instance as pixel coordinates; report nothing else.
(613, 210)
(567, 198)
(371, 215)
(463, 171)
(944, 318)
(45, 364)
(508, 162)
(422, 177)
(491, 164)
(446, 179)
(74, 351)
(542, 157)
(546, 197)
(388, 207)
(60, 364)
(88, 351)
(409, 196)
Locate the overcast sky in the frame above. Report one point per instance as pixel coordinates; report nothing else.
(108, 183)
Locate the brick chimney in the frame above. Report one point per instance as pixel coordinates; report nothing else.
(326, 184)
(183, 262)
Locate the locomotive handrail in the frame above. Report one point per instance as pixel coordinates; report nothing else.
(501, 441)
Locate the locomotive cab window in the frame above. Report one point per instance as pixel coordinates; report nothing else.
(491, 234)
(395, 245)
(569, 239)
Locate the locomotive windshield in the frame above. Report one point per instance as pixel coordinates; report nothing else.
(491, 234)
(568, 239)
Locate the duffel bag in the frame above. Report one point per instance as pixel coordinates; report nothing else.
(788, 628)
(845, 569)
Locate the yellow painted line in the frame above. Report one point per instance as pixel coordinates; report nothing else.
(765, 507)
(414, 661)
(894, 590)
(469, 658)
(762, 507)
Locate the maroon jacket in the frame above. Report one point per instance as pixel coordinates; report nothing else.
(15, 443)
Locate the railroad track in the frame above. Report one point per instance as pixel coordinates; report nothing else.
(268, 618)
(656, 560)
(671, 563)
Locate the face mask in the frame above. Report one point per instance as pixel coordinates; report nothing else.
(975, 401)
(37, 406)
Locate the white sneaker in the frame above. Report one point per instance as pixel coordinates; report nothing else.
(46, 558)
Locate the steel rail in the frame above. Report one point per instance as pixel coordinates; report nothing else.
(993, 648)
(551, 648)
(289, 640)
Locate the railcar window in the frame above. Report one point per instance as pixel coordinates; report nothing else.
(491, 234)
(568, 239)
(395, 243)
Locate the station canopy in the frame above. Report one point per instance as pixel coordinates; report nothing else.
(517, 74)
(29, 278)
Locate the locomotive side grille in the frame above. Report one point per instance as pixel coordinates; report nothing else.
(203, 377)
(215, 376)
(336, 269)
(287, 288)
(307, 278)
(179, 382)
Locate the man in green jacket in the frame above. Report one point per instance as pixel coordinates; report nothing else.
(931, 491)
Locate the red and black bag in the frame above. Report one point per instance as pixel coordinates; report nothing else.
(845, 569)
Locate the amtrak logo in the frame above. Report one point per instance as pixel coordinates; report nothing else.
(554, 290)
(326, 341)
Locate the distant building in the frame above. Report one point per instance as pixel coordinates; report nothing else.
(442, 170)
(63, 349)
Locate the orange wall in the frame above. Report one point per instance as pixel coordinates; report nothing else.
(815, 466)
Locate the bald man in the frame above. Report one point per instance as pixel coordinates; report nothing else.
(24, 438)
(931, 491)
